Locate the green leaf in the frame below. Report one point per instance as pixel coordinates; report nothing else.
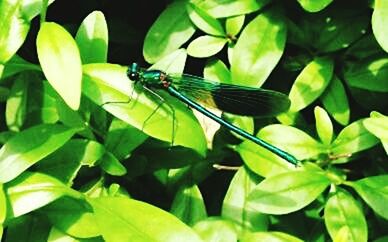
(369, 74)
(314, 5)
(234, 24)
(287, 192)
(123, 219)
(216, 70)
(61, 63)
(108, 84)
(341, 211)
(377, 124)
(227, 8)
(16, 108)
(269, 236)
(311, 83)
(74, 217)
(234, 206)
(205, 46)
(29, 146)
(324, 125)
(31, 227)
(16, 65)
(204, 21)
(65, 162)
(289, 139)
(31, 191)
(13, 28)
(188, 205)
(353, 138)
(122, 139)
(335, 101)
(3, 205)
(379, 22)
(216, 229)
(374, 191)
(172, 29)
(258, 49)
(111, 165)
(92, 38)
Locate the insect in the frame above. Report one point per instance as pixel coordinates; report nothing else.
(245, 101)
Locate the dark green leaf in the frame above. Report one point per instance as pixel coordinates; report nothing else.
(188, 205)
(287, 192)
(374, 191)
(92, 38)
(61, 63)
(31, 191)
(258, 49)
(379, 22)
(111, 165)
(369, 74)
(311, 83)
(29, 146)
(16, 108)
(172, 29)
(335, 101)
(123, 219)
(16, 65)
(205, 46)
(28, 228)
(341, 211)
(227, 8)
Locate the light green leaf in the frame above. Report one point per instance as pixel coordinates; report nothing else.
(234, 24)
(16, 107)
(29, 146)
(74, 217)
(204, 21)
(216, 70)
(323, 125)
(216, 229)
(235, 208)
(311, 83)
(314, 5)
(369, 74)
(172, 63)
(61, 63)
(13, 29)
(108, 84)
(123, 219)
(335, 101)
(172, 29)
(341, 211)
(205, 46)
(374, 191)
(31, 191)
(377, 124)
(3, 206)
(188, 205)
(227, 8)
(353, 138)
(287, 192)
(379, 23)
(64, 163)
(92, 38)
(269, 236)
(258, 49)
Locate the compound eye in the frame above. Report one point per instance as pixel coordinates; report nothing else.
(134, 76)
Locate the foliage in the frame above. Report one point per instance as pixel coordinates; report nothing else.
(88, 156)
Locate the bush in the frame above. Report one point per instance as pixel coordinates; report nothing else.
(90, 155)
